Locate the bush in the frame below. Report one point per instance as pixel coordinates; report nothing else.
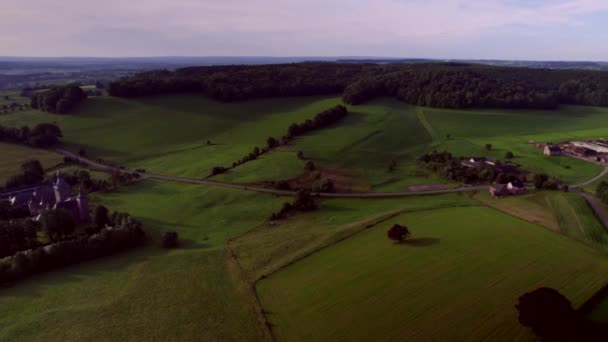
(509, 155)
(169, 239)
(216, 170)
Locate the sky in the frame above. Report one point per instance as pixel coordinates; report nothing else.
(455, 29)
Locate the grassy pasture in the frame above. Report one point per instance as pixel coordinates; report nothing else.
(269, 247)
(510, 130)
(169, 134)
(466, 273)
(149, 294)
(15, 155)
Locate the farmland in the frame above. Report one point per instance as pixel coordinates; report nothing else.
(453, 270)
(318, 270)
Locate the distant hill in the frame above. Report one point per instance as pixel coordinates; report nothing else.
(445, 85)
(17, 73)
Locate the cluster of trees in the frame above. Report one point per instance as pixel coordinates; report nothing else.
(303, 202)
(602, 191)
(42, 135)
(81, 179)
(24, 255)
(552, 318)
(58, 100)
(449, 85)
(13, 106)
(31, 173)
(17, 235)
(241, 82)
(323, 119)
(449, 167)
(543, 181)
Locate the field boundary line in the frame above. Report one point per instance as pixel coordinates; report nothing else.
(435, 139)
(382, 218)
(263, 322)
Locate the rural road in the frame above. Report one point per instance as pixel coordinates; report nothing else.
(107, 168)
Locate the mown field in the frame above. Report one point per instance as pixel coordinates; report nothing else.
(15, 155)
(465, 273)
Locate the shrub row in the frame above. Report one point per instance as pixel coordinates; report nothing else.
(109, 240)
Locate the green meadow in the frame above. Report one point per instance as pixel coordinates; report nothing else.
(326, 275)
(190, 293)
(464, 267)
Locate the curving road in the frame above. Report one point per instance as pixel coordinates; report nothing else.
(107, 168)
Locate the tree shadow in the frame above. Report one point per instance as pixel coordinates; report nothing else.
(421, 242)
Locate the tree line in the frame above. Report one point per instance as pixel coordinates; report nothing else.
(447, 85)
(321, 120)
(42, 135)
(60, 100)
(27, 256)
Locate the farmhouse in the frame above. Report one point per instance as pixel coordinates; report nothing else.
(552, 150)
(56, 196)
(511, 189)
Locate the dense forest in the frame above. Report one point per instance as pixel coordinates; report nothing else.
(446, 85)
(58, 100)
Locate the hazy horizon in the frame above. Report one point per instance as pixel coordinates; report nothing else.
(530, 30)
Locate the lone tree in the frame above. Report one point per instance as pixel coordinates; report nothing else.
(489, 147)
(170, 239)
(398, 233)
(509, 155)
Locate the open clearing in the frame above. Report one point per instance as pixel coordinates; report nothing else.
(466, 273)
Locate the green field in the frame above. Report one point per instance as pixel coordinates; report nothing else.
(169, 134)
(15, 155)
(461, 274)
(271, 246)
(511, 130)
(565, 213)
(149, 294)
(466, 266)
